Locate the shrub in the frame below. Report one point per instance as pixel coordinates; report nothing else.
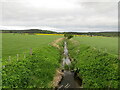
(68, 36)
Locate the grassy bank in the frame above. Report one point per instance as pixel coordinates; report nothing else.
(36, 71)
(25, 70)
(97, 68)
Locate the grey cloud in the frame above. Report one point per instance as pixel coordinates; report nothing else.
(86, 16)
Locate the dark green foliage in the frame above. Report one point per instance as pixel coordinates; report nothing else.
(28, 31)
(36, 71)
(68, 36)
(106, 34)
(98, 69)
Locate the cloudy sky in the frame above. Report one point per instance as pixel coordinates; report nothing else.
(60, 15)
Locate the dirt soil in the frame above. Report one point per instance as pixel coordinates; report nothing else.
(57, 78)
(58, 75)
(55, 43)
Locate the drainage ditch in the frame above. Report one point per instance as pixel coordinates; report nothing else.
(69, 78)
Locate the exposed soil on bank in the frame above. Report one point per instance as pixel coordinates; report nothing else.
(59, 74)
(55, 43)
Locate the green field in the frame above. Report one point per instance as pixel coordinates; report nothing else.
(98, 68)
(36, 71)
(32, 71)
(109, 44)
(13, 44)
(95, 58)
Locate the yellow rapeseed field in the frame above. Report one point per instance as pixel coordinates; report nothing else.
(47, 34)
(63, 34)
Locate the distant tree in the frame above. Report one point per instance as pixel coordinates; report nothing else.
(90, 34)
(68, 36)
(10, 31)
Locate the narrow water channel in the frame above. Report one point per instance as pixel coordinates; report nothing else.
(69, 79)
(66, 59)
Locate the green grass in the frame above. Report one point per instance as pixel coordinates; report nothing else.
(109, 44)
(0, 60)
(97, 68)
(36, 71)
(33, 71)
(13, 44)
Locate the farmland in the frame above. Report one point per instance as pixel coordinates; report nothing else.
(109, 44)
(36, 71)
(18, 44)
(32, 71)
(94, 58)
(97, 66)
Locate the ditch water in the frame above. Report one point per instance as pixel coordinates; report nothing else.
(66, 59)
(70, 79)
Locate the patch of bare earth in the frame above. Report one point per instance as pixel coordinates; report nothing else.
(55, 43)
(57, 78)
(58, 75)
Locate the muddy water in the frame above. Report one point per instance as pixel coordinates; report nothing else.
(69, 79)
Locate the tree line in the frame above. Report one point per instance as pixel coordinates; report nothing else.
(32, 31)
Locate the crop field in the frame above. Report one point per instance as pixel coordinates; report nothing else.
(13, 44)
(36, 71)
(32, 71)
(109, 44)
(98, 68)
(94, 59)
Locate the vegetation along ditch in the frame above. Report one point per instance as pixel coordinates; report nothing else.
(69, 78)
(97, 68)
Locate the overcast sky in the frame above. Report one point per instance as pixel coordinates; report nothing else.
(60, 15)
